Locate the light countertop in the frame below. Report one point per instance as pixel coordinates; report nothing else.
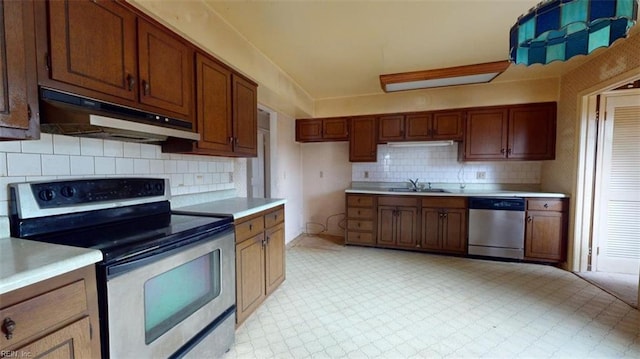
(24, 262)
(460, 193)
(237, 207)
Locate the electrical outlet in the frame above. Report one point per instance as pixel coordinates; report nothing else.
(366, 174)
(481, 175)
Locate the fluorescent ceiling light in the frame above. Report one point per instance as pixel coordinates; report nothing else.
(451, 76)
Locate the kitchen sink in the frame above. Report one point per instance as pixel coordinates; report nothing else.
(428, 190)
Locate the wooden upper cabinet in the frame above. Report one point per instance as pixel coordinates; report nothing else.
(105, 50)
(165, 70)
(532, 132)
(486, 134)
(18, 83)
(93, 46)
(213, 93)
(446, 126)
(322, 129)
(390, 128)
(522, 132)
(363, 146)
(245, 117)
(421, 126)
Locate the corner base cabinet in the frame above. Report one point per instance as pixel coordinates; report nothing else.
(55, 318)
(260, 259)
(546, 229)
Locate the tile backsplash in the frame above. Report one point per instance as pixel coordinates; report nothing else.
(59, 157)
(440, 165)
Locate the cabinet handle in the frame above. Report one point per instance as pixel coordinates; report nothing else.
(358, 224)
(235, 139)
(145, 87)
(509, 151)
(8, 327)
(502, 151)
(230, 139)
(251, 227)
(29, 112)
(529, 218)
(546, 205)
(132, 81)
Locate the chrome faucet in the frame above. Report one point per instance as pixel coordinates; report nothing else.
(414, 184)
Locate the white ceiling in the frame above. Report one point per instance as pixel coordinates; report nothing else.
(339, 48)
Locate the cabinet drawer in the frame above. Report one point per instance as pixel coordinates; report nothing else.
(365, 213)
(398, 201)
(444, 202)
(360, 201)
(40, 313)
(546, 204)
(360, 237)
(249, 228)
(273, 218)
(359, 225)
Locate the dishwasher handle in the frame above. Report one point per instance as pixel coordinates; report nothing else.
(497, 203)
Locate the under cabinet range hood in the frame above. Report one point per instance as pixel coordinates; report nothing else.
(67, 114)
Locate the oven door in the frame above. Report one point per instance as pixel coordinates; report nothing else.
(158, 306)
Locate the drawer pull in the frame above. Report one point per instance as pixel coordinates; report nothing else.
(8, 326)
(546, 205)
(251, 227)
(529, 218)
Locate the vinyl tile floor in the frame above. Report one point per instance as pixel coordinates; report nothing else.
(356, 302)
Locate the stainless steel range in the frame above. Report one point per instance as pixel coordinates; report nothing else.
(166, 285)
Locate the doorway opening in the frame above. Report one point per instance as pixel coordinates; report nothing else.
(613, 259)
(259, 168)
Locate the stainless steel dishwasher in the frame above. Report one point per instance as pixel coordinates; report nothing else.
(496, 227)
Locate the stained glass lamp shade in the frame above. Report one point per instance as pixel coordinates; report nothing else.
(557, 30)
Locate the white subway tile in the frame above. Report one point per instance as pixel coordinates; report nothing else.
(124, 166)
(131, 150)
(170, 166)
(43, 145)
(141, 166)
(149, 151)
(189, 179)
(177, 179)
(82, 165)
(55, 165)
(91, 146)
(10, 146)
(3, 164)
(156, 166)
(193, 167)
(66, 145)
(113, 148)
(105, 165)
(182, 166)
(203, 166)
(21, 164)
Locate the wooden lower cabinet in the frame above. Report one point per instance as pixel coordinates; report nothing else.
(260, 259)
(55, 318)
(397, 222)
(361, 220)
(444, 225)
(545, 229)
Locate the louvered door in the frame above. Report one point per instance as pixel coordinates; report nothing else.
(618, 187)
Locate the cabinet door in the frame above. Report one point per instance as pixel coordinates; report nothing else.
(386, 225)
(245, 117)
(336, 129)
(362, 140)
(454, 234)
(309, 130)
(430, 237)
(72, 341)
(18, 83)
(406, 227)
(418, 126)
(274, 257)
(93, 45)
(446, 126)
(391, 128)
(544, 238)
(486, 135)
(166, 70)
(532, 132)
(214, 122)
(250, 276)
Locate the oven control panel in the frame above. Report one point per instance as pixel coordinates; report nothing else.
(64, 193)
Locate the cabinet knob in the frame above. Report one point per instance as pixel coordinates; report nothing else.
(502, 151)
(132, 81)
(8, 326)
(546, 205)
(529, 218)
(509, 151)
(145, 87)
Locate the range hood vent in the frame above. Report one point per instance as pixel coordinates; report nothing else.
(72, 115)
(420, 143)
